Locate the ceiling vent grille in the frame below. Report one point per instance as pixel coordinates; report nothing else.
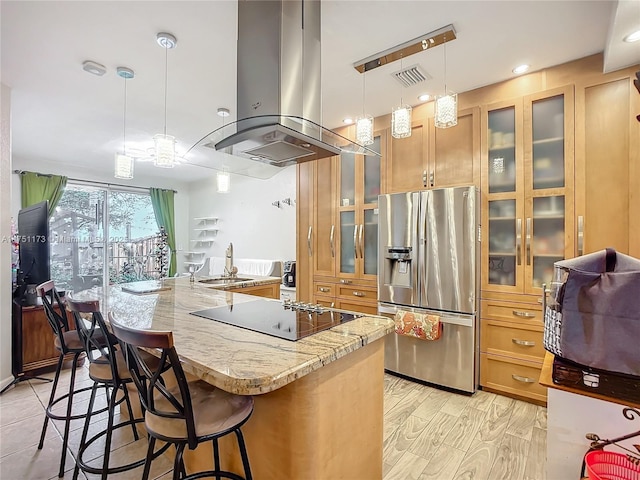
(411, 76)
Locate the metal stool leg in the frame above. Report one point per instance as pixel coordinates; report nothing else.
(51, 397)
(243, 455)
(85, 430)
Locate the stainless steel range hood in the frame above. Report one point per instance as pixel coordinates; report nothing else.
(278, 97)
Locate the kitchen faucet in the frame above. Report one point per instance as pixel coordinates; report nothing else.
(229, 269)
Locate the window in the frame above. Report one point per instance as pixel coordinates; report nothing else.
(94, 226)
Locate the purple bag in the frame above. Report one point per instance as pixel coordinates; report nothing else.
(600, 311)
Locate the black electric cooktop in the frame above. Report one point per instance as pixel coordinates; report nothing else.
(289, 320)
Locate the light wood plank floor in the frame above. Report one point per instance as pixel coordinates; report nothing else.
(429, 434)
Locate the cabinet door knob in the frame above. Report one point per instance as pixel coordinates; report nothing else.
(520, 314)
(520, 378)
(524, 343)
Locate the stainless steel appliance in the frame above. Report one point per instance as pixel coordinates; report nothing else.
(288, 320)
(428, 263)
(289, 277)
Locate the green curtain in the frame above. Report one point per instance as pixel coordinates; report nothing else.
(37, 187)
(163, 209)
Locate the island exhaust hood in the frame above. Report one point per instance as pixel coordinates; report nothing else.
(278, 89)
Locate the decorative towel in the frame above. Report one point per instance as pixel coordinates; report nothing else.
(419, 325)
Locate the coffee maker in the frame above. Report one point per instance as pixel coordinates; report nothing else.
(289, 277)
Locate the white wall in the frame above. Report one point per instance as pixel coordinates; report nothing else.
(247, 217)
(5, 235)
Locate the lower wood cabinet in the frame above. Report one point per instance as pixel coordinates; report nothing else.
(347, 296)
(271, 290)
(511, 348)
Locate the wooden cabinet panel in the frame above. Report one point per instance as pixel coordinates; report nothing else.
(357, 292)
(512, 339)
(408, 160)
(511, 311)
(304, 230)
(324, 226)
(354, 306)
(520, 378)
(269, 291)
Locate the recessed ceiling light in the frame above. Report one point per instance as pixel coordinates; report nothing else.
(424, 97)
(94, 68)
(347, 121)
(632, 37)
(520, 69)
(223, 112)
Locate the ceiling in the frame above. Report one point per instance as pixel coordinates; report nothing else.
(64, 115)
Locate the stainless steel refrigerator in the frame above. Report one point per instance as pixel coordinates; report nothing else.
(428, 262)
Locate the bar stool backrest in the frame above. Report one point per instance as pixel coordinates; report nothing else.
(54, 311)
(149, 379)
(99, 343)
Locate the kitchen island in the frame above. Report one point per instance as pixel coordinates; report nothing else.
(318, 401)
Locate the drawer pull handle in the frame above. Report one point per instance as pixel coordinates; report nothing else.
(323, 289)
(358, 294)
(524, 343)
(518, 313)
(345, 282)
(522, 379)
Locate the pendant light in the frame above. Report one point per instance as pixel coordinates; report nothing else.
(223, 178)
(124, 163)
(446, 106)
(165, 145)
(364, 124)
(401, 117)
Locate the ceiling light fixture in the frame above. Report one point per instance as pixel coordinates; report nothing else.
(520, 69)
(424, 97)
(123, 163)
(446, 107)
(364, 124)
(632, 37)
(401, 117)
(94, 68)
(165, 145)
(347, 121)
(223, 178)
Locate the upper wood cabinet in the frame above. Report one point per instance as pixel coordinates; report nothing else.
(435, 157)
(528, 190)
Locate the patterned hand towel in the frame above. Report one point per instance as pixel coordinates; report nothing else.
(418, 325)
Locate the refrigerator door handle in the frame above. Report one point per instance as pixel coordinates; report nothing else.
(355, 241)
(527, 240)
(464, 320)
(519, 241)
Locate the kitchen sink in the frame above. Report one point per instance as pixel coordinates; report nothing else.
(224, 280)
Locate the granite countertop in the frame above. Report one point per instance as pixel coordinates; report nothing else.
(232, 358)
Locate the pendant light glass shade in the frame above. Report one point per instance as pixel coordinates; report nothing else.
(446, 114)
(223, 180)
(123, 166)
(401, 121)
(165, 146)
(364, 130)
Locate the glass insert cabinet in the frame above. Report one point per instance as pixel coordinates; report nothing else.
(359, 187)
(528, 184)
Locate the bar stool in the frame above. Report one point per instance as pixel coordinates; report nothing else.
(107, 369)
(187, 413)
(66, 341)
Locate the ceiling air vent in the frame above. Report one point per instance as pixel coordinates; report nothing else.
(411, 75)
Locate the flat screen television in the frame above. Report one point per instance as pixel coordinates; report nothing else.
(33, 244)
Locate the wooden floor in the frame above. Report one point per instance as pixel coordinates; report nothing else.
(429, 434)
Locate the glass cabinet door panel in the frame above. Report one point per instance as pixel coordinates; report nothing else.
(372, 174)
(502, 150)
(370, 241)
(349, 231)
(548, 143)
(347, 179)
(502, 233)
(547, 237)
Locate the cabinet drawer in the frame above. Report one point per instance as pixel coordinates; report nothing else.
(512, 376)
(522, 312)
(324, 289)
(364, 307)
(324, 301)
(512, 340)
(357, 292)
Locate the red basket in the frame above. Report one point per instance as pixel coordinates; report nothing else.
(602, 465)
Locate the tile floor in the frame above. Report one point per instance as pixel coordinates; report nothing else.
(429, 434)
